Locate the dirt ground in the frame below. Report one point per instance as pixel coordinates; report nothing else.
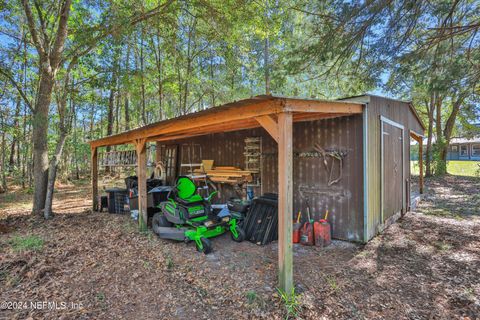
(426, 266)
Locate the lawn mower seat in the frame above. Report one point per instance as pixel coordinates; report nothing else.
(186, 192)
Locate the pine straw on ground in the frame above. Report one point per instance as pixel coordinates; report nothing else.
(426, 266)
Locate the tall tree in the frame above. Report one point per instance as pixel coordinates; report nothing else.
(49, 40)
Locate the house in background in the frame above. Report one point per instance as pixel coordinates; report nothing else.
(464, 149)
(461, 148)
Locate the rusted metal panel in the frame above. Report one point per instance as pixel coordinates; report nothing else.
(343, 199)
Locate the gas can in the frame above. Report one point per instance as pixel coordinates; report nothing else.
(306, 234)
(296, 232)
(322, 233)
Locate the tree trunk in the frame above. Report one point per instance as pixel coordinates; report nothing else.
(438, 118)
(142, 78)
(111, 101)
(428, 151)
(440, 159)
(75, 141)
(39, 140)
(52, 173)
(26, 151)
(212, 79)
(266, 65)
(14, 146)
(158, 60)
(126, 93)
(3, 183)
(447, 132)
(127, 113)
(117, 111)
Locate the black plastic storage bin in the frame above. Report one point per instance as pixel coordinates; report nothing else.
(117, 200)
(154, 197)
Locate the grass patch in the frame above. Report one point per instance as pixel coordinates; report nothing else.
(443, 246)
(441, 212)
(362, 254)
(454, 167)
(27, 243)
(147, 265)
(170, 263)
(463, 168)
(253, 299)
(332, 282)
(291, 303)
(251, 296)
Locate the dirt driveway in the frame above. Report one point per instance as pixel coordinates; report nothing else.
(427, 266)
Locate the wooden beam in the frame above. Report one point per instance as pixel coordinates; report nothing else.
(270, 125)
(285, 201)
(94, 177)
(140, 147)
(319, 106)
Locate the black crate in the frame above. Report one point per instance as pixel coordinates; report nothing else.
(117, 200)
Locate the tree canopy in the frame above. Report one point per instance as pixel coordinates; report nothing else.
(72, 71)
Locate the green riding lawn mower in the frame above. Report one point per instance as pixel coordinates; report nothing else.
(187, 216)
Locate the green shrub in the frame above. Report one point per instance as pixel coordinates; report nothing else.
(291, 303)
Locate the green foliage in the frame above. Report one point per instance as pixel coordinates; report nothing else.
(170, 263)
(27, 243)
(100, 296)
(332, 282)
(455, 167)
(251, 296)
(439, 162)
(194, 55)
(291, 303)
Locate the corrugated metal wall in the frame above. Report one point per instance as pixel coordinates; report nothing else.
(344, 199)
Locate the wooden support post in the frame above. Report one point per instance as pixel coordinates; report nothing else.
(140, 147)
(94, 174)
(420, 164)
(285, 201)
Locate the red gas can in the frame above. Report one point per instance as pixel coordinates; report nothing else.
(306, 234)
(322, 233)
(296, 232)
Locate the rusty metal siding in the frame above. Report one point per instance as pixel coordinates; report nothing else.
(399, 112)
(344, 200)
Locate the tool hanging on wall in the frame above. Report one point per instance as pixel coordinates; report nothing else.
(336, 156)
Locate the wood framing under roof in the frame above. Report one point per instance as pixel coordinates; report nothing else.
(231, 117)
